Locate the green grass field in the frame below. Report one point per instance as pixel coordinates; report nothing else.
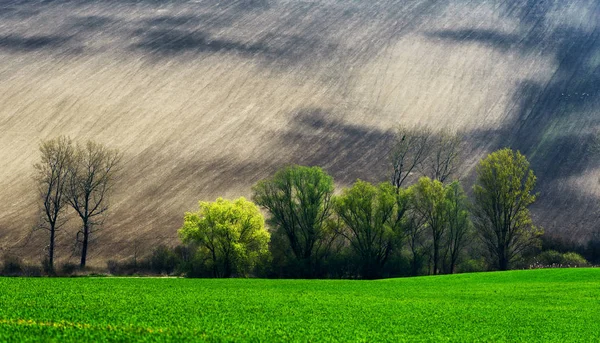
(540, 305)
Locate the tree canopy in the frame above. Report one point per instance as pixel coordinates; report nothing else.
(231, 235)
(298, 199)
(430, 204)
(372, 218)
(503, 191)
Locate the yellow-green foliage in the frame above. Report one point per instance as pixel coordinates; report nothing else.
(503, 191)
(443, 211)
(232, 234)
(555, 258)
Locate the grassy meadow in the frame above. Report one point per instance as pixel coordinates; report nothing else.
(538, 305)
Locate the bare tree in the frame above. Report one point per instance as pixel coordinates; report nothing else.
(51, 178)
(91, 177)
(410, 148)
(444, 155)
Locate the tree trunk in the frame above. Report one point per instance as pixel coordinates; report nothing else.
(415, 266)
(227, 273)
(369, 271)
(502, 260)
(84, 245)
(502, 263)
(215, 267)
(51, 252)
(436, 252)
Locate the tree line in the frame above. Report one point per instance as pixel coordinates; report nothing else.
(419, 222)
(369, 225)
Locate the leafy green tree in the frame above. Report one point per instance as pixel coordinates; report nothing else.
(413, 233)
(459, 224)
(51, 177)
(232, 235)
(372, 219)
(503, 192)
(430, 204)
(298, 199)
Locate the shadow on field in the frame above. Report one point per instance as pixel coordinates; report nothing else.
(346, 151)
(91, 23)
(277, 33)
(496, 40)
(175, 42)
(15, 43)
(555, 121)
(16, 13)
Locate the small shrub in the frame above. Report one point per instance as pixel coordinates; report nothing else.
(191, 263)
(127, 267)
(12, 265)
(46, 267)
(31, 271)
(472, 266)
(549, 258)
(573, 259)
(196, 267)
(552, 258)
(68, 268)
(163, 260)
(113, 267)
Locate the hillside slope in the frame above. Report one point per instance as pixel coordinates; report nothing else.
(206, 97)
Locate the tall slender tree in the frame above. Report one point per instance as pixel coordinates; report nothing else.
(459, 225)
(92, 175)
(51, 177)
(372, 220)
(298, 199)
(430, 203)
(503, 192)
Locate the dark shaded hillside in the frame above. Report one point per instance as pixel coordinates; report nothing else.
(207, 97)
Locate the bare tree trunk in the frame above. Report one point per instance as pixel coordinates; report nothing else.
(415, 265)
(51, 252)
(228, 269)
(51, 177)
(502, 259)
(215, 267)
(91, 176)
(84, 245)
(436, 253)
